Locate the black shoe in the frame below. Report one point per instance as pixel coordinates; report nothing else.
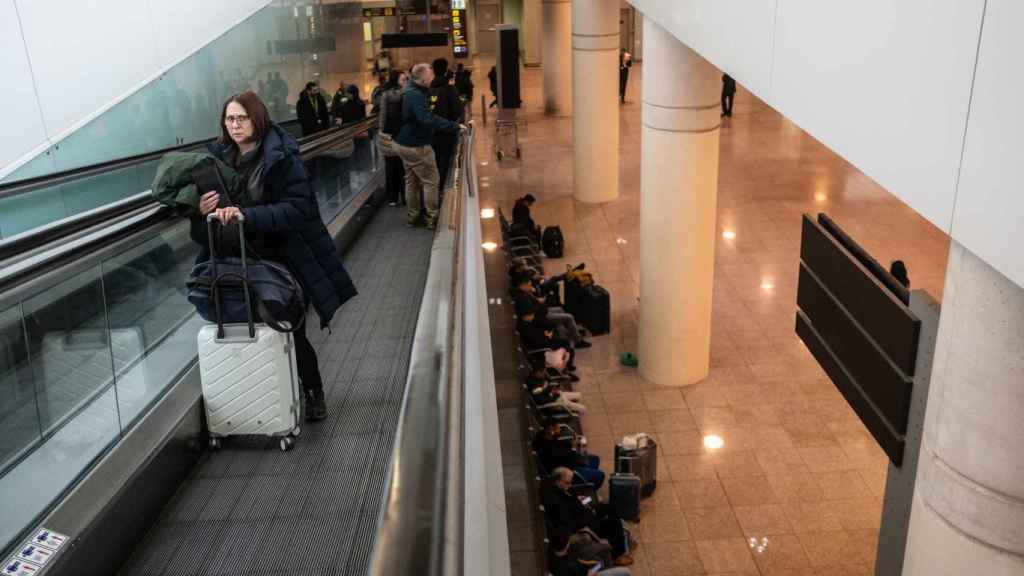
(580, 267)
(573, 377)
(581, 344)
(412, 224)
(571, 367)
(316, 408)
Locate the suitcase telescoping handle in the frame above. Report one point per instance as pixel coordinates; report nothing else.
(243, 278)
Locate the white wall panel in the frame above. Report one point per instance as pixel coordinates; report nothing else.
(734, 35)
(989, 217)
(85, 55)
(23, 126)
(886, 85)
(181, 27)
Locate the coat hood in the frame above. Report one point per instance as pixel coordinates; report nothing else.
(277, 144)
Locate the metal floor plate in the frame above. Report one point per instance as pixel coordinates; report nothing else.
(251, 509)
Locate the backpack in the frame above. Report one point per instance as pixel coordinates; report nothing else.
(391, 112)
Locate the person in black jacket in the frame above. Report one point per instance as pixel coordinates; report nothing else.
(282, 222)
(537, 336)
(566, 510)
(728, 93)
(312, 111)
(625, 63)
(445, 102)
(555, 318)
(348, 106)
(464, 83)
(522, 221)
(492, 77)
(554, 452)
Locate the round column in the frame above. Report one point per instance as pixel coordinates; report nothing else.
(968, 510)
(595, 82)
(556, 56)
(678, 191)
(531, 32)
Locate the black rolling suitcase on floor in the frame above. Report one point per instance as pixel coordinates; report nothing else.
(597, 311)
(552, 242)
(624, 496)
(642, 461)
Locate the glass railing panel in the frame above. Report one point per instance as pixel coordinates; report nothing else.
(152, 325)
(69, 347)
(19, 420)
(30, 210)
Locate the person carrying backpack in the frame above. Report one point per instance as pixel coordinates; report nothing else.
(413, 145)
(390, 118)
(445, 102)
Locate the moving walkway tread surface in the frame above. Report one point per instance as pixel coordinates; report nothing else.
(251, 509)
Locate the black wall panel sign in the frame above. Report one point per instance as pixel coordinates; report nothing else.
(858, 329)
(424, 40)
(508, 66)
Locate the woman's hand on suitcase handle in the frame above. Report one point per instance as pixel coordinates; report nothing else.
(226, 215)
(208, 202)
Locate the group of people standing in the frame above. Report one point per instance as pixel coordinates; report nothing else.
(315, 114)
(421, 114)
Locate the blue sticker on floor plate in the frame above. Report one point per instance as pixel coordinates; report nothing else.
(49, 539)
(35, 554)
(15, 567)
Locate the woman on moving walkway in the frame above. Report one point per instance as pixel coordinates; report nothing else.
(282, 221)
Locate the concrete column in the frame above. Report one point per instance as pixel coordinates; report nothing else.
(556, 53)
(968, 509)
(678, 190)
(531, 32)
(595, 84)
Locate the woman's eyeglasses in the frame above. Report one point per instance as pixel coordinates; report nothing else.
(240, 119)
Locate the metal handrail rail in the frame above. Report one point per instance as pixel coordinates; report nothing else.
(29, 184)
(152, 214)
(421, 519)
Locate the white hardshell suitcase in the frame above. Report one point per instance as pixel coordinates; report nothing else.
(249, 377)
(250, 385)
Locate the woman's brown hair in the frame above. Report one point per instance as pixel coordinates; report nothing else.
(254, 108)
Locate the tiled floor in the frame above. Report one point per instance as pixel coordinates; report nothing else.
(796, 487)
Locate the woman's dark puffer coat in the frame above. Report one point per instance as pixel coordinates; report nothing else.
(290, 214)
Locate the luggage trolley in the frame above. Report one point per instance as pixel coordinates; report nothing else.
(507, 124)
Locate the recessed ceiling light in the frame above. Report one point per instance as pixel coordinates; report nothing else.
(489, 246)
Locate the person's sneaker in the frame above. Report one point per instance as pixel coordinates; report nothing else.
(573, 377)
(430, 225)
(571, 367)
(316, 407)
(624, 560)
(412, 223)
(581, 344)
(392, 204)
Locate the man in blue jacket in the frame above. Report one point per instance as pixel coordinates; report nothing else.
(413, 145)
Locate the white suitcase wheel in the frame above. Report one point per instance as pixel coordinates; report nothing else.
(214, 444)
(286, 444)
(297, 431)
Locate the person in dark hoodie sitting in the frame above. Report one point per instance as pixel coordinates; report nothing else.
(281, 220)
(553, 318)
(444, 102)
(522, 221)
(537, 336)
(555, 452)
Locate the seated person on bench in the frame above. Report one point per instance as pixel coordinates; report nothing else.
(547, 394)
(554, 452)
(565, 509)
(554, 317)
(538, 336)
(522, 221)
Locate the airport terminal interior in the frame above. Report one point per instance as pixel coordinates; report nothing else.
(519, 287)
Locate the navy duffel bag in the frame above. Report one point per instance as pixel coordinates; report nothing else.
(234, 291)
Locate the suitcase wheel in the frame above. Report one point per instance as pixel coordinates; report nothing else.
(287, 444)
(296, 432)
(214, 444)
